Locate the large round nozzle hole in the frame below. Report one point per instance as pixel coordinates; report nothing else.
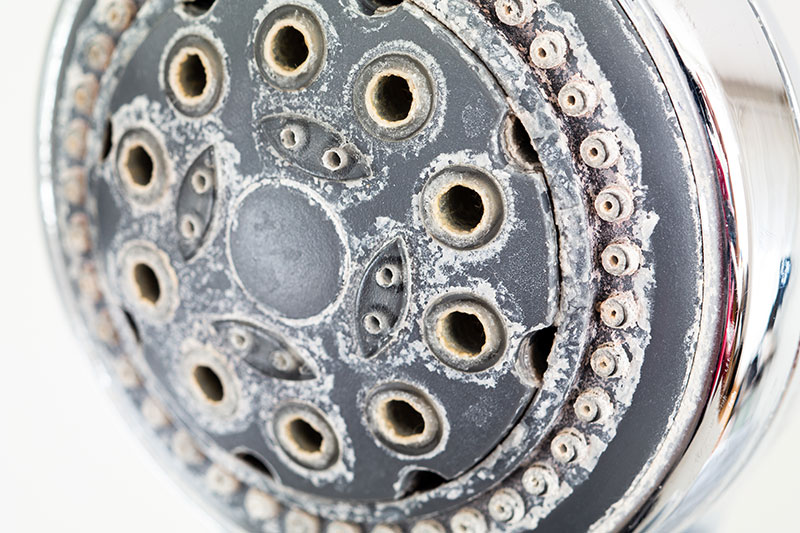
(461, 208)
(404, 418)
(209, 383)
(463, 333)
(289, 48)
(392, 98)
(147, 283)
(305, 436)
(192, 76)
(139, 165)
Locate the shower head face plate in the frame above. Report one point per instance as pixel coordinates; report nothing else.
(372, 265)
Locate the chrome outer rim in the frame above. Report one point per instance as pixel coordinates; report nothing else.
(750, 239)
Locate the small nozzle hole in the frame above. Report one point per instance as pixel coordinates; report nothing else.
(192, 76)
(140, 166)
(333, 160)
(200, 183)
(463, 333)
(209, 383)
(305, 436)
(462, 208)
(519, 144)
(288, 138)
(147, 283)
(289, 48)
(385, 277)
(373, 323)
(392, 98)
(404, 419)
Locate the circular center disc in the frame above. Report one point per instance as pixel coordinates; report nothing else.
(286, 251)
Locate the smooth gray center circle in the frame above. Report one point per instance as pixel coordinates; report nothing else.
(286, 251)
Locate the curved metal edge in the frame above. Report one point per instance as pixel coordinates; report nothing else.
(738, 111)
(60, 47)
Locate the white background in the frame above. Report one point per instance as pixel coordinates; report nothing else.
(67, 461)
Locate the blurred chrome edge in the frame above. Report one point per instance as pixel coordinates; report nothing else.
(59, 49)
(737, 107)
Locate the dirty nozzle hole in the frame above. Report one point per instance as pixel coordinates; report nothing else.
(198, 7)
(462, 208)
(289, 48)
(140, 165)
(255, 463)
(147, 283)
(464, 333)
(392, 98)
(404, 418)
(209, 383)
(519, 145)
(305, 436)
(192, 76)
(108, 140)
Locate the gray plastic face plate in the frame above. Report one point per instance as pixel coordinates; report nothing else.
(271, 276)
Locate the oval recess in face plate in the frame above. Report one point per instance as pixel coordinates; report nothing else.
(314, 147)
(195, 207)
(382, 297)
(263, 351)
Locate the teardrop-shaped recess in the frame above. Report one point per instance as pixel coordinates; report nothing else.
(314, 147)
(382, 298)
(263, 351)
(196, 203)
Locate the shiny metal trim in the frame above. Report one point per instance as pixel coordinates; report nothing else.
(737, 108)
(59, 47)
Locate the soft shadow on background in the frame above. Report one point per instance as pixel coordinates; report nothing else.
(68, 463)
